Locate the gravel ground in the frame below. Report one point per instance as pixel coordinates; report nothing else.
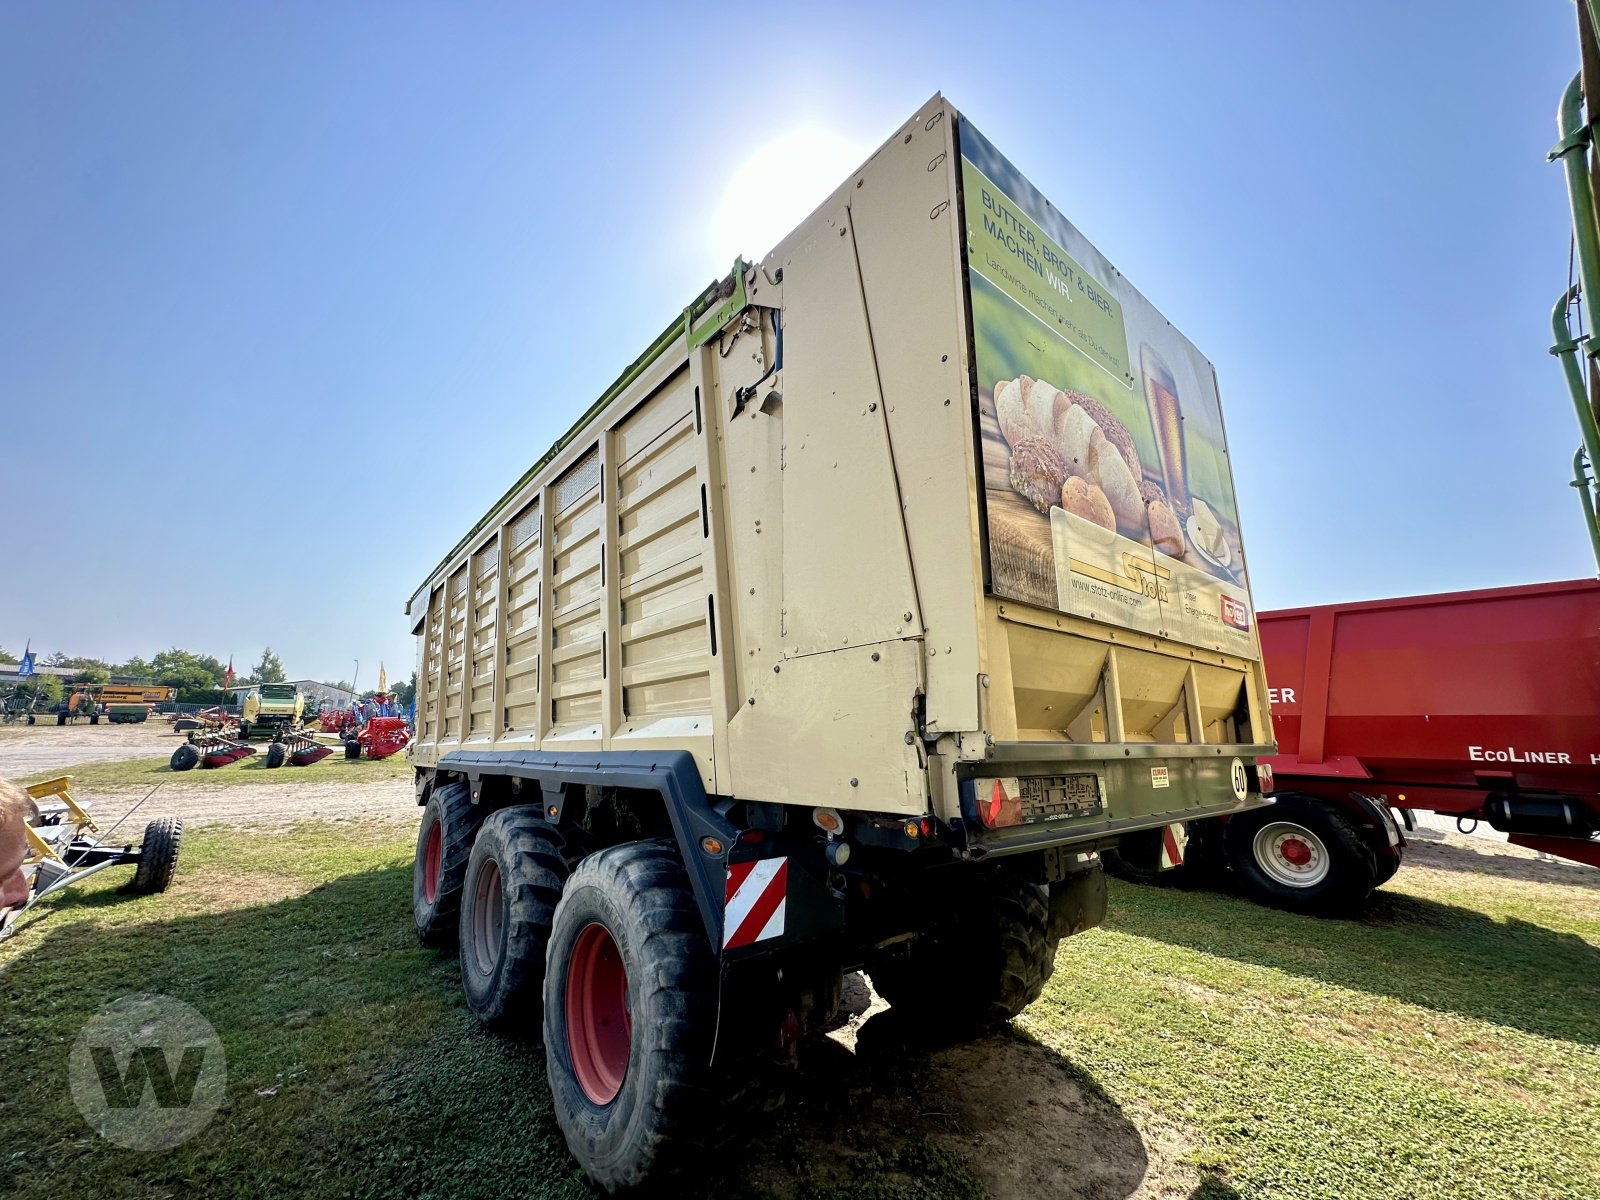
(27, 751)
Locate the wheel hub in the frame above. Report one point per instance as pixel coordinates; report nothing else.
(599, 1025)
(1291, 854)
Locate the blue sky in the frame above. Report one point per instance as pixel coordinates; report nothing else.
(291, 292)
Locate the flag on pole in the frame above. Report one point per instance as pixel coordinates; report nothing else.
(25, 667)
(227, 676)
(383, 678)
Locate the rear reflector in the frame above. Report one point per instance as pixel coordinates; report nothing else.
(1002, 807)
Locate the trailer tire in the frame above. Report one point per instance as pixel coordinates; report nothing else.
(352, 750)
(94, 718)
(630, 1019)
(984, 957)
(508, 900)
(1302, 855)
(185, 758)
(158, 855)
(1204, 860)
(277, 754)
(444, 844)
(61, 718)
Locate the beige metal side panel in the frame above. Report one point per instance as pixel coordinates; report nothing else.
(431, 682)
(455, 653)
(846, 572)
(835, 729)
(481, 640)
(520, 660)
(663, 634)
(575, 603)
(908, 238)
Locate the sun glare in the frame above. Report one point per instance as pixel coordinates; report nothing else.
(777, 187)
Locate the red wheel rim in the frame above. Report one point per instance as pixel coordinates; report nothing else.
(599, 1026)
(1295, 851)
(432, 860)
(486, 925)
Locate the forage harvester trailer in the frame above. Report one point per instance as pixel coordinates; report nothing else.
(897, 578)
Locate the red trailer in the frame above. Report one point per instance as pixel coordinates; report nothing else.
(1483, 705)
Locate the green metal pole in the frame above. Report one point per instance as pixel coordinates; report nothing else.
(1571, 150)
(1582, 481)
(1566, 349)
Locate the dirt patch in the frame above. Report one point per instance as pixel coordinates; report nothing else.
(1004, 1112)
(213, 891)
(30, 750)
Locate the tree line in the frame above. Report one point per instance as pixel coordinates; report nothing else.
(198, 678)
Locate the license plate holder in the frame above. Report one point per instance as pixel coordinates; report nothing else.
(1051, 797)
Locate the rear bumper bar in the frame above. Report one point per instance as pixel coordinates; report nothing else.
(1143, 786)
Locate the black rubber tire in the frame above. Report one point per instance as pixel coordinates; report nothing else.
(668, 1115)
(61, 718)
(244, 731)
(503, 939)
(451, 807)
(158, 855)
(277, 754)
(185, 758)
(94, 718)
(1388, 865)
(1204, 860)
(984, 956)
(1352, 867)
(352, 750)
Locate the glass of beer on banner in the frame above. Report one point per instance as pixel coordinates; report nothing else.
(1166, 420)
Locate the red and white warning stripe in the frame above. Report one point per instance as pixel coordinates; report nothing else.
(1174, 841)
(756, 899)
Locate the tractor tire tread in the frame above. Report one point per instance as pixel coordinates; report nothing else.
(676, 1110)
(532, 876)
(436, 923)
(158, 856)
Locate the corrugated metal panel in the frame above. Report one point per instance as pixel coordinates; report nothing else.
(665, 651)
(522, 601)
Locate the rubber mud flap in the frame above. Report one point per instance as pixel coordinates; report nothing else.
(1077, 903)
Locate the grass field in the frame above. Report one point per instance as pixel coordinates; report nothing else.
(1197, 1046)
(141, 773)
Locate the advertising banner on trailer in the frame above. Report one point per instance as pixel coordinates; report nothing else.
(1105, 466)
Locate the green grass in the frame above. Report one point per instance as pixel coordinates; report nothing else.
(1448, 1046)
(135, 774)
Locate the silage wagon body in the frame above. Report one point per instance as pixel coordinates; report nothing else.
(897, 578)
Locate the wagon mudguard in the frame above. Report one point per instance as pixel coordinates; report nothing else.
(670, 773)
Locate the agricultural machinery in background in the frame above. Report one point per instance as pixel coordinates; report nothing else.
(271, 710)
(84, 702)
(373, 728)
(218, 739)
(65, 846)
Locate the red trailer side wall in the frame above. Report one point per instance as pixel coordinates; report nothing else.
(1479, 691)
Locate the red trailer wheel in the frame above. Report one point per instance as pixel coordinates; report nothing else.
(433, 856)
(599, 1026)
(1291, 854)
